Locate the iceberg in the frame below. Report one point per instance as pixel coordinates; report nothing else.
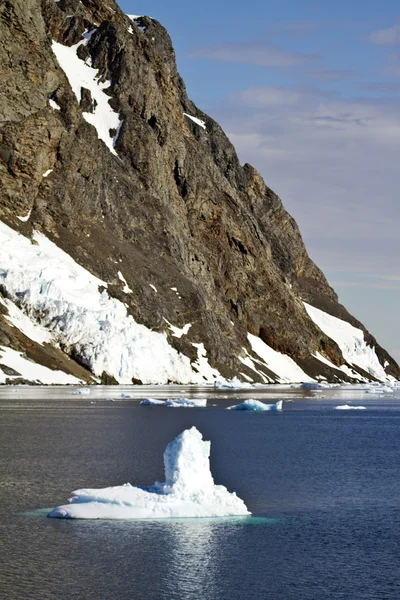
(188, 490)
(348, 407)
(256, 405)
(176, 402)
(233, 383)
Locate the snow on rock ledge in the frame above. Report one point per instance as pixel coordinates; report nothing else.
(188, 491)
(64, 298)
(351, 342)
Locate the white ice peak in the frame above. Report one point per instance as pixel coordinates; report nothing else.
(188, 490)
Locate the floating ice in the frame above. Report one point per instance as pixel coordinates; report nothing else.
(315, 386)
(188, 491)
(176, 402)
(256, 405)
(233, 383)
(348, 407)
(82, 392)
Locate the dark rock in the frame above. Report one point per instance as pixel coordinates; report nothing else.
(174, 208)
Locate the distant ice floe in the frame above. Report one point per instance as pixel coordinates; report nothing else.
(348, 407)
(81, 392)
(316, 386)
(188, 491)
(257, 406)
(352, 344)
(61, 297)
(81, 75)
(175, 402)
(234, 383)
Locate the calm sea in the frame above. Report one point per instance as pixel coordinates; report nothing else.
(323, 486)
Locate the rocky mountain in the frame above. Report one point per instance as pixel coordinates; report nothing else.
(134, 247)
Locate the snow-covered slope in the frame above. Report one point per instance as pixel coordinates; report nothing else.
(64, 299)
(351, 342)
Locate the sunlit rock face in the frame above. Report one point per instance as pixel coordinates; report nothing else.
(188, 490)
(103, 153)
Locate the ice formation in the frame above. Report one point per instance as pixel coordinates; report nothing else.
(257, 406)
(175, 402)
(188, 490)
(348, 407)
(234, 383)
(61, 297)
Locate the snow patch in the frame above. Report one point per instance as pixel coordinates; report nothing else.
(27, 326)
(26, 218)
(176, 332)
(47, 173)
(282, 365)
(64, 298)
(351, 342)
(153, 287)
(53, 103)
(126, 289)
(188, 490)
(81, 75)
(196, 120)
(31, 371)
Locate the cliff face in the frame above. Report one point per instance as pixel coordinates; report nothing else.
(102, 152)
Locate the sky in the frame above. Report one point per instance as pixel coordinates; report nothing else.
(309, 94)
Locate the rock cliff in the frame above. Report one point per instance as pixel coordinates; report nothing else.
(103, 153)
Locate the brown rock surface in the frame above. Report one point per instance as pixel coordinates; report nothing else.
(174, 208)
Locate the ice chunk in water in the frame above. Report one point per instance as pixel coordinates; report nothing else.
(188, 491)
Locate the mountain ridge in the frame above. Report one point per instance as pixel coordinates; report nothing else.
(158, 199)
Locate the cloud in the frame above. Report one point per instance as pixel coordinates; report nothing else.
(390, 87)
(386, 37)
(294, 28)
(334, 163)
(264, 54)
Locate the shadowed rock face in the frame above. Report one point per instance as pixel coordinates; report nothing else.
(173, 208)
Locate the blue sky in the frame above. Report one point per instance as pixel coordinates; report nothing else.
(309, 93)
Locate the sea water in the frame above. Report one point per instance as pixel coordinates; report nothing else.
(322, 484)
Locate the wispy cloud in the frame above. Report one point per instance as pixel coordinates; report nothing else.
(264, 54)
(386, 37)
(294, 28)
(389, 87)
(334, 162)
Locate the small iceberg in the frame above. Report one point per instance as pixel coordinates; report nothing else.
(234, 383)
(81, 392)
(175, 403)
(188, 491)
(348, 407)
(313, 385)
(256, 405)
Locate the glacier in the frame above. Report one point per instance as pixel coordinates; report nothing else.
(188, 491)
(256, 406)
(63, 299)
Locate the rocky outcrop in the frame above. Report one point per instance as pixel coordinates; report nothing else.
(159, 197)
